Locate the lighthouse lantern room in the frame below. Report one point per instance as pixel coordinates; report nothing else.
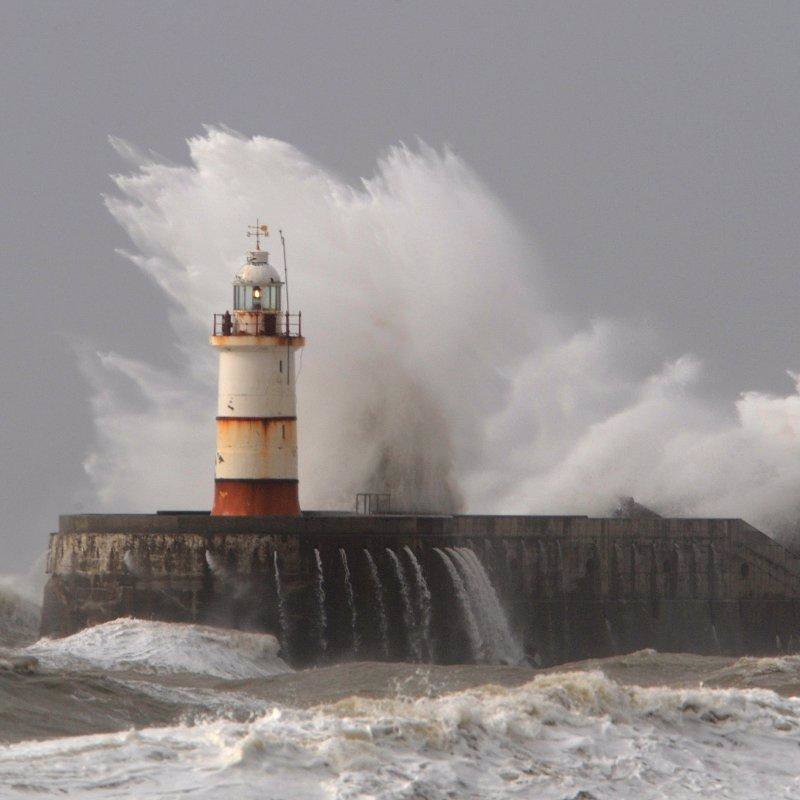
(256, 461)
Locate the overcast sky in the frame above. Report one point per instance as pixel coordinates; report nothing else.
(651, 149)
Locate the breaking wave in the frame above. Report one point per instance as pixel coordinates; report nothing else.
(20, 603)
(570, 735)
(779, 673)
(19, 618)
(447, 378)
(163, 647)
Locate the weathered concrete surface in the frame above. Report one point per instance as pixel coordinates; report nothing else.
(573, 587)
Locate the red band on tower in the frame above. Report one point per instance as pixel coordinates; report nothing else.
(235, 498)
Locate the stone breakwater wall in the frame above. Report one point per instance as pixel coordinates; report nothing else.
(342, 586)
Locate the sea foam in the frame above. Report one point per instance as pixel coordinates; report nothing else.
(560, 736)
(149, 646)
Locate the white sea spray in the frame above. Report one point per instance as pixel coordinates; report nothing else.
(448, 378)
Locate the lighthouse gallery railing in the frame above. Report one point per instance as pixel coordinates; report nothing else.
(258, 323)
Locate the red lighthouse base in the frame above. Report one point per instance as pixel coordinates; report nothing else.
(255, 498)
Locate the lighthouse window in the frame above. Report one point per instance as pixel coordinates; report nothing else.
(243, 297)
(273, 297)
(248, 298)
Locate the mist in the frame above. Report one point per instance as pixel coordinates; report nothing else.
(435, 366)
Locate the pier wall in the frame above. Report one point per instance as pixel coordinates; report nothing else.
(573, 587)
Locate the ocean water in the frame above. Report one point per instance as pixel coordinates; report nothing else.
(143, 709)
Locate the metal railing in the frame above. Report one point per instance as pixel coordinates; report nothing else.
(258, 323)
(373, 502)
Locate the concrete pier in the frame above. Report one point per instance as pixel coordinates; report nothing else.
(573, 587)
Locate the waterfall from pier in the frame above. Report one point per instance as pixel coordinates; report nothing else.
(473, 632)
(419, 603)
(713, 571)
(378, 586)
(284, 620)
(423, 602)
(616, 576)
(351, 602)
(502, 645)
(215, 566)
(694, 578)
(612, 637)
(543, 563)
(130, 563)
(408, 609)
(323, 617)
(478, 610)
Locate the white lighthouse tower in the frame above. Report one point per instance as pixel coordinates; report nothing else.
(256, 463)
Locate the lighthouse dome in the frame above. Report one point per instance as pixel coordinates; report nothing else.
(258, 271)
(258, 274)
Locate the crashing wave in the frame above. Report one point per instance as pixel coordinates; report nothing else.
(756, 666)
(164, 647)
(562, 735)
(779, 673)
(19, 618)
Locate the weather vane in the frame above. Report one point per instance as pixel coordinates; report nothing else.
(258, 231)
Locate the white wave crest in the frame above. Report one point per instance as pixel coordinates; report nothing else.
(164, 647)
(781, 673)
(20, 603)
(19, 617)
(446, 378)
(553, 738)
(750, 665)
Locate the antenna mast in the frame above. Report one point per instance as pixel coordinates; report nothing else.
(286, 286)
(285, 269)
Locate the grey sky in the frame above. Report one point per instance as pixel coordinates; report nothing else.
(651, 149)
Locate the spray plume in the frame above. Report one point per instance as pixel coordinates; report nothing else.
(433, 368)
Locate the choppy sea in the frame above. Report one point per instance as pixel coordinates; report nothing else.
(141, 709)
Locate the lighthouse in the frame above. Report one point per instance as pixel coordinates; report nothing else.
(256, 460)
